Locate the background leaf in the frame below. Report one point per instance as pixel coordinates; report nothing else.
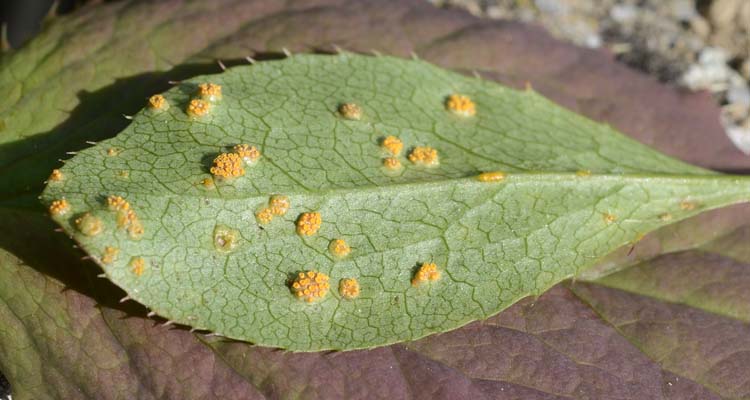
(519, 53)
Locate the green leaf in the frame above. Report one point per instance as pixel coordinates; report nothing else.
(207, 262)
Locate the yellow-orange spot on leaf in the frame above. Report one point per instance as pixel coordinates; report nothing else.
(665, 217)
(310, 286)
(424, 155)
(59, 207)
(349, 288)
(124, 174)
(112, 152)
(495, 176)
(225, 238)
(117, 203)
(89, 225)
(158, 102)
(393, 145)
(109, 255)
(264, 216)
(208, 183)
(339, 248)
(127, 218)
(392, 163)
(228, 165)
(687, 205)
(209, 91)
(427, 272)
(279, 204)
(55, 176)
(137, 265)
(248, 153)
(583, 173)
(609, 218)
(461, 105)
(350, 111)
(308, 223)
(135, 228)
(198, 108)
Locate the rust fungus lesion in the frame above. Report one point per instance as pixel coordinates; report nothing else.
(279, 204)
(665, 217)
(349, 288)
(264, 216)
(112, 152)
(493, 176)
(687, 205)
(137, 266)
(117, 203)
(350, 111)
(157, 102)
(225, 239)
(227, 165)
(310, 286)
(583, 173)
(110, 254)
(209, 91)
(424, 155)
(249, 154)
(308, 223)
(392, 164)
(339, 248)
(59, 207)
(392, 145)
(427, 272)
(207, 183)
(198, 108)
(127, 219)
(461, 105)
(609, 218)
(89, 224)
(55, 176)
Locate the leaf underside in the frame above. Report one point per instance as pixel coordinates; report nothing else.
(494, 242)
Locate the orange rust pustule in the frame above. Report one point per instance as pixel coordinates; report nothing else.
(308, 223)
(461, 105)
(310, 286)
(393, 145)
(198, 108)
(59, 207)
(349, 288)
(227, 165)
(427, 272)
(424, 155)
